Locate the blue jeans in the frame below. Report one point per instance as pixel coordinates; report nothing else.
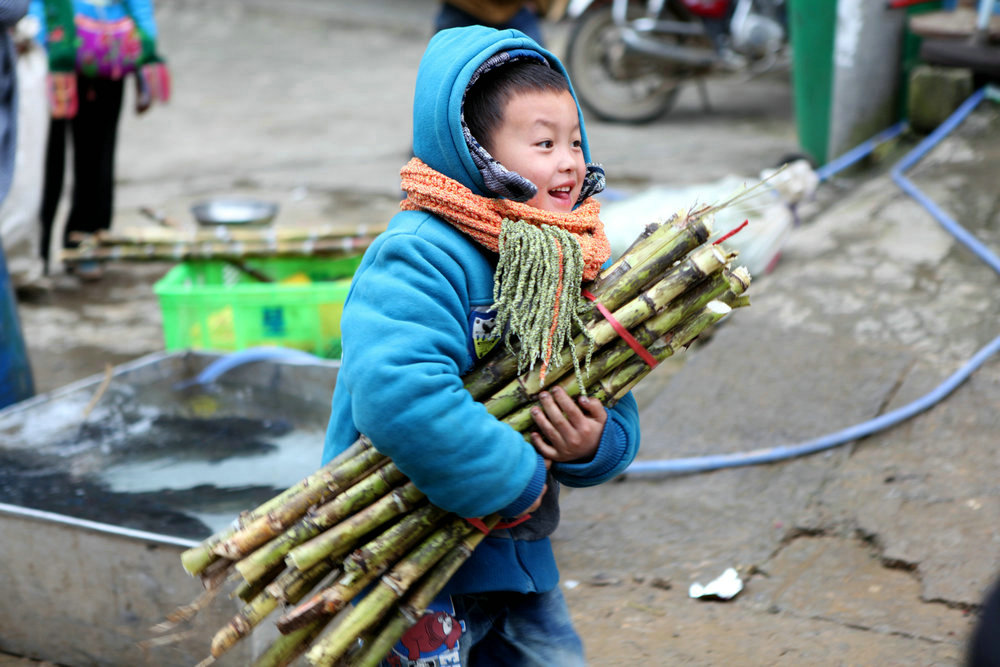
(525, 20)
(502, 629)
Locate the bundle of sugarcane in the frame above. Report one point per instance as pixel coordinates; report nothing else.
(219, 242)
(359, 523)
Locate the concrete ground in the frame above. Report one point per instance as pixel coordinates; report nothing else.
(872, 553)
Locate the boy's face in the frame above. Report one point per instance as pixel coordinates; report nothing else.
(540, 139)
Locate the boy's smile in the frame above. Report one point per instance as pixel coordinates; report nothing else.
(540, 139)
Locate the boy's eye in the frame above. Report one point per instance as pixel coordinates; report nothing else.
(577, 143)
(545, 143)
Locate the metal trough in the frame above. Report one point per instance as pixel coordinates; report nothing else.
(104, 504)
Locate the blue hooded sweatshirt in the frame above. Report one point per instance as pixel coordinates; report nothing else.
(418, 317)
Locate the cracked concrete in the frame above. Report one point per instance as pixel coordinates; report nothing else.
(895, 536)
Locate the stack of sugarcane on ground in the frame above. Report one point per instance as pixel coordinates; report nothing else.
(359, 525)
(220, 242)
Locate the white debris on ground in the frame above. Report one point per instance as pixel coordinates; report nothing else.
(725, 587)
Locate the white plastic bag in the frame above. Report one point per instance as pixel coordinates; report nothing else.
(768, 208)
(20, 227)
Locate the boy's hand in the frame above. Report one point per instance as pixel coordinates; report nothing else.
(567, 432)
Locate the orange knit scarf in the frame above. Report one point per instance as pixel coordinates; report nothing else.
(542, 325)
(481, 217)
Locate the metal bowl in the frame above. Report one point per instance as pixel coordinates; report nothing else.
(232, 211)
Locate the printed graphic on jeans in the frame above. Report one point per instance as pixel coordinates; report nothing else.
(432, 642)
(483, 330)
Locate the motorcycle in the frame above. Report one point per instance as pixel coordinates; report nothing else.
(629, 58)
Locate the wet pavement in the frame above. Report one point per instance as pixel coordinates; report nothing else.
(873, 552)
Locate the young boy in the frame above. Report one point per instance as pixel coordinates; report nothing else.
(498, 137)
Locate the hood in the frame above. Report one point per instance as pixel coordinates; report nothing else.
(449, 63)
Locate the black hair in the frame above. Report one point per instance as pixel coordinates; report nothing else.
(487, 97)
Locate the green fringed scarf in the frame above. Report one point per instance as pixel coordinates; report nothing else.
(544, 258)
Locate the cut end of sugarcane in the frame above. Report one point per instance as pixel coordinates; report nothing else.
(302, 615)
(741, 274)
(709, 259)
(718, 307)
(226, 638)
(196, 559)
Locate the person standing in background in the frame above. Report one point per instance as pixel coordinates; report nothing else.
(15, 371)
(518, 14)
(92, 45)
(11, 12)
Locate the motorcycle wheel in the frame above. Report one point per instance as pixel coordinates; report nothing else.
(612, 82)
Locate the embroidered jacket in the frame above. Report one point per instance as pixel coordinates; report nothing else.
(141, 12)
(418, 316)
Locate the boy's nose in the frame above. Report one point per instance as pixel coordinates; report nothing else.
(566, 160)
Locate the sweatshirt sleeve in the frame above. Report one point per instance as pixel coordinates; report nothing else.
(404, 333)
(617, 449)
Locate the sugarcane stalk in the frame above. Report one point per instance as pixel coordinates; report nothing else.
(739, 280)
(619, 354)
(417, 600)
(663, 247)
(621, 388)
(291, 586)
(393, 585)
(324, 604)
(652, 237)
(286, 648)
(196, 559)
(612, 385)
(247, 590)
(668, 317)
(633, 271)
(391, 545)
(383, 551)
(351, 500)
(694, 269)
(387, 549)
(234, 250)
(378, 646)
(637, 244)
(362, 645)
(341, 538)
(215, 573)
(262, 529)
(628, 374)
(167, 235)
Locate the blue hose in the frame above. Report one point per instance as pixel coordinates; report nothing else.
(223, 365)
(716, 462)
(859, 151)
(956, 230)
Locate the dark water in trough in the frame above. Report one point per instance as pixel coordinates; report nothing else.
(182, 464)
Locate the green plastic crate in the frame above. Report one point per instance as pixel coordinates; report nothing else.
(214, 305)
